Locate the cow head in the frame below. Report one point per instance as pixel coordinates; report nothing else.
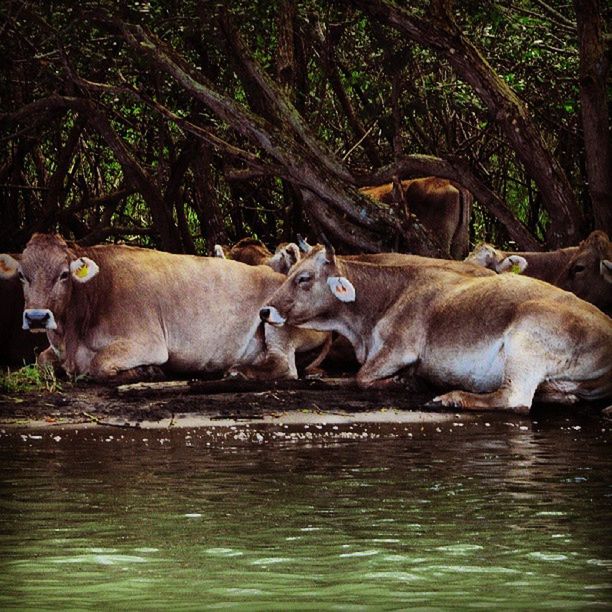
(285, 257)
(48, 269)
(487, 256)
(313, 289)
(588, 273)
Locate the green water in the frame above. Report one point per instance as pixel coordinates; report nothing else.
(499, 512)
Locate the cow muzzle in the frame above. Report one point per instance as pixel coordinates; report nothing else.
(270, 315)
(38, 319)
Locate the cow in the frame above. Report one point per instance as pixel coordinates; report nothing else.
(499, 338)
(115, 312)
(341, 353)
(17, 347)
(442, 207)
(585, 270)
(255, 253)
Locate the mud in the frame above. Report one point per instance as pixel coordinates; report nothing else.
(191, 403)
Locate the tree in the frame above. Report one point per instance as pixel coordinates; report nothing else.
(181, 124)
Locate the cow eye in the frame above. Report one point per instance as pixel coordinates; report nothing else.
(579, 268)
(303, 278)
(64, 275)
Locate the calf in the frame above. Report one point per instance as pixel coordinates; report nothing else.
(531, 338)
(110, 310)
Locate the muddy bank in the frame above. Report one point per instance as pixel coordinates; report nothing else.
(197, 402)
(213, 402)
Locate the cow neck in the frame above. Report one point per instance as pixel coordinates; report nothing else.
(547, 265)
(376, 289)
(86, 300)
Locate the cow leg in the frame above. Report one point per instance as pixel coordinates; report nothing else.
(125, 361)
(278, 359)
(386, 362)
(525, 369)
(48, 357)
(312, 369)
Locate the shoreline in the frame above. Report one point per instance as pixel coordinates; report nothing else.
(228, 403)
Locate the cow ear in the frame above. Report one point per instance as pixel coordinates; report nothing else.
(9, 266)
(605, 268)
(513, 263)
(342, 288)
(83, 269)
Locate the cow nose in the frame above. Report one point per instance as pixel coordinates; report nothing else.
(37, 319)
(264, 314)
(37, 316)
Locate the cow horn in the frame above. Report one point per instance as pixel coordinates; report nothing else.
(304, 246)
(329, 249)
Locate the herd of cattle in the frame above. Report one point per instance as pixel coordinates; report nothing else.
(115, 312)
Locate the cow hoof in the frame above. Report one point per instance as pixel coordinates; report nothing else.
(236, 375)
(315, 373)
(148, 373)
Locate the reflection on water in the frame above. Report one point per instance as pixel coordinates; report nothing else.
(499, 510)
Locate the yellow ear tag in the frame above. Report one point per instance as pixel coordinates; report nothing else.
(82, 271)
(515, 269)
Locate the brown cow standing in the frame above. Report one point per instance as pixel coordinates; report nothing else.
(441, 206)
(585, 270)
(502, 338)
(111, 310)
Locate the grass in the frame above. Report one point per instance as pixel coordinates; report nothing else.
(29, 378)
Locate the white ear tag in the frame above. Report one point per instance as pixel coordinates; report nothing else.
(342, 288)
(83, 269)
(9, 266)
(513, 263)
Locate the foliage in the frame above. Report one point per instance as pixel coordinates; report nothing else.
(58, 172)
(29, 378)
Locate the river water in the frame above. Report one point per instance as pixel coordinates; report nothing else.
(486, 512)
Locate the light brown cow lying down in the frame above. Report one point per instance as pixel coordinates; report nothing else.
(112, 309)
(585, 270)
(255, 253)
(442, 207)
(500, 338)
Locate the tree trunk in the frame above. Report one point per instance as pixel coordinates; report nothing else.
(594, 109)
